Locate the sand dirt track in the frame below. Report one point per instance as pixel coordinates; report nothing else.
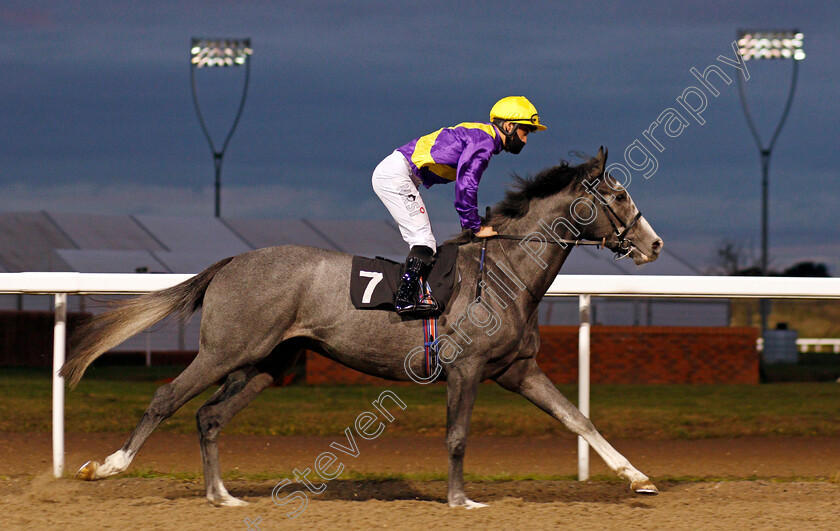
(784, 497)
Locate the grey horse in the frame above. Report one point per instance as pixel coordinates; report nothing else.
(263, 308)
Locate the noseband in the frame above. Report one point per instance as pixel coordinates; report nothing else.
(624, 244)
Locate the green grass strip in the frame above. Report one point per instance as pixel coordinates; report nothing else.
(113, 400)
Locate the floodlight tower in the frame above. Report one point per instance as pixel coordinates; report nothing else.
(206, 53)
(768, 44)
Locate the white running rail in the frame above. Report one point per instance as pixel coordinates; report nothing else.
(805, 344)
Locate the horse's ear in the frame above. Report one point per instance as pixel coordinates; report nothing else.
(601, 162)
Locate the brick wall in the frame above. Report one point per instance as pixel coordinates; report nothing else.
(26, 338)
(653, 354)
(620, 355)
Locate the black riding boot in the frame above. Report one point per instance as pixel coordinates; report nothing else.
(410, 299)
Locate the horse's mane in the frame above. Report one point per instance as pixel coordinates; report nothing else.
(518, 196)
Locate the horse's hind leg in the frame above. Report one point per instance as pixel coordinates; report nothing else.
(525, 378)
(239, 390)
(198, 376)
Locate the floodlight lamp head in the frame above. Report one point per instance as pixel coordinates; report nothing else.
(771, 44)
(219, 52)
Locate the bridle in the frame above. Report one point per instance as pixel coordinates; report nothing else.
(624, 244)
(620, 230)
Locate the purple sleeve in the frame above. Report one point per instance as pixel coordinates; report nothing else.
(471, 165)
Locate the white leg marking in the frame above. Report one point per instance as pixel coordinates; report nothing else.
(469, 504)
(617, 462)
(222, 498)
(114, 464)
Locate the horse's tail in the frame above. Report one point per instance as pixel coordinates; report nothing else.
(129, 317)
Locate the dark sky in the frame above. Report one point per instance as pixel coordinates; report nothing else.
(97, 114)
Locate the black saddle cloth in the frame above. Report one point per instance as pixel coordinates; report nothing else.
(374, 281)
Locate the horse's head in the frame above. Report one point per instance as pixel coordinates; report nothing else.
(579, 203)
(615, 216)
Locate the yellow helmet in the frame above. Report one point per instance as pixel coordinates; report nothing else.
(518, 110)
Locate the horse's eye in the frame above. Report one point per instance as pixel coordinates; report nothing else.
(621, 197)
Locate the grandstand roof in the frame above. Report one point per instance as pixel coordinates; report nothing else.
(201, 235)
(27, 240)
(91, 231)
(106, 261)
(269, 232)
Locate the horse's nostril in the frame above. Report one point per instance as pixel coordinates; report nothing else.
(656, 246)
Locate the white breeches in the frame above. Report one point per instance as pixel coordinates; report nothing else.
(395, 185)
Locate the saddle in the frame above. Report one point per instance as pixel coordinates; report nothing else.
(374, 281)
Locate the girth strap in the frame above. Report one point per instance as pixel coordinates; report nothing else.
(430, 352)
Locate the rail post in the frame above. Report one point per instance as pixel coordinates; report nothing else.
(59, 342)
(583, 383)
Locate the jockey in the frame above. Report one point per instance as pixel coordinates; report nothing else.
(459, 154)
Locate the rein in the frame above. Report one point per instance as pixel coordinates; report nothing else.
(624, 245)
(561, 241)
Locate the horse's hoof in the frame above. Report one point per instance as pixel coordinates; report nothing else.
(644, 487)
(88, 471)
(227, 501)
(233, 502)
(468, 504)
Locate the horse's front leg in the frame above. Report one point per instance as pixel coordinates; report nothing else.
(524, 377)
(461, 390)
